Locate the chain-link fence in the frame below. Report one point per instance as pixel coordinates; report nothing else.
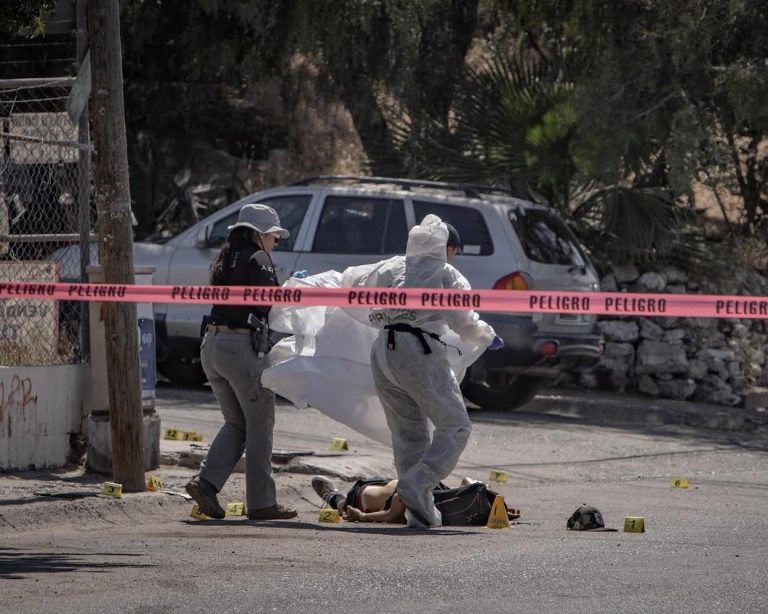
(45, 210)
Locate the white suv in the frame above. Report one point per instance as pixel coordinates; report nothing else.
(340, 221)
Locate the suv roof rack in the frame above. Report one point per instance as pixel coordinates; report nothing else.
(469, 189)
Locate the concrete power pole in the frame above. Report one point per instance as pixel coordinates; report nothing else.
(113, 203)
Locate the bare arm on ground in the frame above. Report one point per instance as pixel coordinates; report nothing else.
(394, 515)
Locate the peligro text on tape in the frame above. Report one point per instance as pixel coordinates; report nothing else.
(520, 301)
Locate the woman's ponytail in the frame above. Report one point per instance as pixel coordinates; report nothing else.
(238, 238)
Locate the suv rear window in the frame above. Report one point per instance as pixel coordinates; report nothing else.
(467, 221)
(361, 225)
(545, 238)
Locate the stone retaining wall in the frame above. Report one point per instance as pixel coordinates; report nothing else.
(698, 359)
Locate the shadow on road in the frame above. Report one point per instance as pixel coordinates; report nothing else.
(38, 497)
(16, 564)
(78, 475)
(343, 527)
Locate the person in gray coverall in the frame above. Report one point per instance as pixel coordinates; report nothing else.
(234, 354)
(411, 372)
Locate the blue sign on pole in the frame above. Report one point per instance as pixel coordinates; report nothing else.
(147, 360)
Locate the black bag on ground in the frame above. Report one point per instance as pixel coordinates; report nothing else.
(466, 506)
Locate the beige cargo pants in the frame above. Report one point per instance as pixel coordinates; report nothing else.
(234, 372)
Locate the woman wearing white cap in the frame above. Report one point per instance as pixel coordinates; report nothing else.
(234, 354)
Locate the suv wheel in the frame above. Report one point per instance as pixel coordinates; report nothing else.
(502, 391)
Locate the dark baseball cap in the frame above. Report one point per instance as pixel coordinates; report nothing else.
(454, 240)
(587, 518)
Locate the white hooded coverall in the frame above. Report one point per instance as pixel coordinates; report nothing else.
(414, 386)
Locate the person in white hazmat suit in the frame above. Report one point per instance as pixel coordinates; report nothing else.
(411, 372)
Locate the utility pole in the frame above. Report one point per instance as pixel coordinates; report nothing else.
(113, 204)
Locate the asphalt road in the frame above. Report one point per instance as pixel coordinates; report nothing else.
(705, 549)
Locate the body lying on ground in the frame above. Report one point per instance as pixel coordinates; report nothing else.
(377, 500)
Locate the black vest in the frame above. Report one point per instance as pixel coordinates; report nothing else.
(249, 266)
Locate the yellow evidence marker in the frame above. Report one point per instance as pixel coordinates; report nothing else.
(679, 483)
(190, 436)
(196, 437)
(497, 476)
(634, 524)
(154, 483)
(172, 434)
(235, 509)
(197, 514)
(111, 489)
(339, 443)
(498, 518)
(329, 515)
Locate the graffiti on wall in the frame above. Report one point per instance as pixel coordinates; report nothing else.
(16, 394)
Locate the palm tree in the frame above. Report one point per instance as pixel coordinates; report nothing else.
(515, 125)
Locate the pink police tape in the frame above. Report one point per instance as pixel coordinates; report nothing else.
(516, 301)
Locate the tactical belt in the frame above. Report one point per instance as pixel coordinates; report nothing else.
(407, 328)
(223, 328)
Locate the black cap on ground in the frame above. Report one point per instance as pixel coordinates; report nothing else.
(587, 518)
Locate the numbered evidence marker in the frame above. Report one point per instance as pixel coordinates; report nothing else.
(154, 483)
(173, 434)
(197, 514)
(111, 489)
(634, 524)
(497, 476)
(329, 515)
(235, 509)
(190, 436)
(498, 518)
(679, 483)
(339, 443)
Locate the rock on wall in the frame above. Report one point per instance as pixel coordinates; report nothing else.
(699, 359)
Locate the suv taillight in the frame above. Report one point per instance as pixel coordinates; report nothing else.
(513, 281)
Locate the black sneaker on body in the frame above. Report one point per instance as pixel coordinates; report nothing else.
(326, 490)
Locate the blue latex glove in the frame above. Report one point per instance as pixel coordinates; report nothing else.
(300, 274)
(497, 343)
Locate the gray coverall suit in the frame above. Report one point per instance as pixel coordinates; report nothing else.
(415, 385)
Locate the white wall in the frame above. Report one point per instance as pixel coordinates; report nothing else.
(39, 408)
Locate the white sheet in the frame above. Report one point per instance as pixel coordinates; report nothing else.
(325, 363)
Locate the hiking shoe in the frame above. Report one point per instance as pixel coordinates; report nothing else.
(326, 490)
(273, 512)
(204, 495)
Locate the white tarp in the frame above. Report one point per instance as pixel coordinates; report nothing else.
(326, 364)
